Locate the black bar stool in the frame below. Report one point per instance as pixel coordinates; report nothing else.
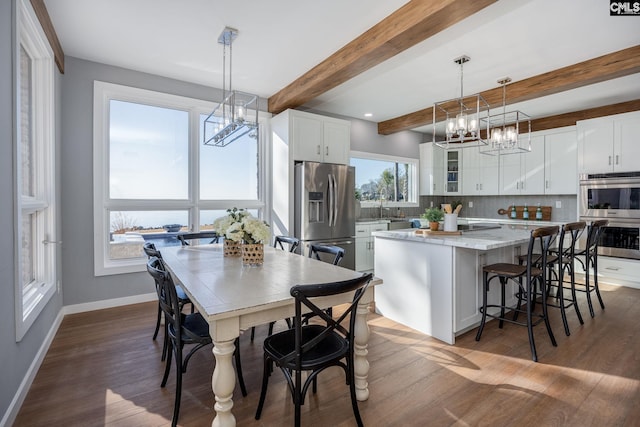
(526, 277)
(590, 253)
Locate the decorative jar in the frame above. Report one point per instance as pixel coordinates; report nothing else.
(252, 254)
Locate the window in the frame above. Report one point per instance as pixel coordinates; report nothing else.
(35, 166)
(388, 179)
(153, 177)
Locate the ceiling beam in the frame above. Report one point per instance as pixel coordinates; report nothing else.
(570, 119)
(617, 64)
(47, 26)
(411, 24)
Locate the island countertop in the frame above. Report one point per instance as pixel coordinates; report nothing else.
(477, 239)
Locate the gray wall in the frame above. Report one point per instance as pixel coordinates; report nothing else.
(80, 284)
(15, 358)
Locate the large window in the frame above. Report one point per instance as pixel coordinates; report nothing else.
(385, 179)
(35, 167)
(153, 177)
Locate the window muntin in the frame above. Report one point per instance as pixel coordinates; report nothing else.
(236, 180)
(388, 179)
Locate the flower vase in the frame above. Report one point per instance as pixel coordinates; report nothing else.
(231, 248)
(252, 254)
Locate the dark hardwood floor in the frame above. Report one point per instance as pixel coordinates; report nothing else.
(104, 369)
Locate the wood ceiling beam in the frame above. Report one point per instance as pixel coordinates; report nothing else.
(47, 26)
(617, 64)
(570, 119)
(411, 24)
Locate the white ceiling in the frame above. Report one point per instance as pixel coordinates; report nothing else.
(279, 40)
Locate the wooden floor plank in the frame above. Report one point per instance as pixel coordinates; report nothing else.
(103, 368)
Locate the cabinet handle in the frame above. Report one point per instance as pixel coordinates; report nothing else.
(546, 184)
(612, 268)
(476, 187)
(318, 151)
(480, 187)
(617, 159)
(609, 160)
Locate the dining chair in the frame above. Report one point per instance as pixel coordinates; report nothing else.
(182, 329)
(327, 253)
(291, 241)
(211, 236)
(150, 250)
(526, 277)
(293, 245)
(590, 254)
(314, 348)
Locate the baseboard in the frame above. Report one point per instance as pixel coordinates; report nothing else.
(12, 412)
(109, 303)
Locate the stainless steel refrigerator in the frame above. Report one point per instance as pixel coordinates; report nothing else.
(324, 207)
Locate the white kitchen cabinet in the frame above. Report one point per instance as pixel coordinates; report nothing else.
(561, 162)
(365, 244)
(319, 139)
(523, 173)
(609, 144)
(452, 172)
(431, 170)
(480, 173)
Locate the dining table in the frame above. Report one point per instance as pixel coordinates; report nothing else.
(233, 297)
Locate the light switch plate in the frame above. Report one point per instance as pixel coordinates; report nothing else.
(558, 204)
(470, 204)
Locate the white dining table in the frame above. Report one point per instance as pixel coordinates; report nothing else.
(233, 298)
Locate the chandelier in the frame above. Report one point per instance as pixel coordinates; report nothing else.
(510, 132)
(462, 118)
(237, 114)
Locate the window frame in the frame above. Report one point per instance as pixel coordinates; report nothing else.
(30, 299)
(103, 204)
(413, 176)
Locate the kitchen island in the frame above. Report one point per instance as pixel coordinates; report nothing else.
(434, 283)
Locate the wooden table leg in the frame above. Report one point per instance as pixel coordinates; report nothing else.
(361, 341)
(223, 382)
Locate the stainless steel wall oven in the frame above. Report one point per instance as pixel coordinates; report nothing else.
(615, 197)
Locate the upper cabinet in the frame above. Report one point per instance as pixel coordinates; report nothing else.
(609, 144)
(431, 170)
(481, 175)
(453, 173)
(522, 174)
(318, 138)
(561, 162)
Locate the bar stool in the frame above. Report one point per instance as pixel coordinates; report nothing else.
(590, 253)
(526, 277)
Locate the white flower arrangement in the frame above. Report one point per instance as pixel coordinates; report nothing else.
(249, 230)
(222, 224)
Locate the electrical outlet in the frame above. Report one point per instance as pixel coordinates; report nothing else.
(431, 204)
(558, 204)
(470, 204)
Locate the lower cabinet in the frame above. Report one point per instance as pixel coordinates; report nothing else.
(365, 244)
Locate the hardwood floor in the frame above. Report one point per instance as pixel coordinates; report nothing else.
(104, 369)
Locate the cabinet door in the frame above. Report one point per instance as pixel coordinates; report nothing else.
(595, 138)
(561, 163)
(490, 175)
(364, 260)
(510, 176)
(307, 138)
(431, 170)
(533, 167)
(336, 142)
(626, 147)
(472, 173)
(452, 163)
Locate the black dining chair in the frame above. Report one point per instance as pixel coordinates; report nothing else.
(150, 250)
(286, 240)
(182, 329)
(314, 348)
(207, 236)
(526, 277)
(334, 254)
(293, 245)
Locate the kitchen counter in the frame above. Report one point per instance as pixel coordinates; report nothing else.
(434, 284)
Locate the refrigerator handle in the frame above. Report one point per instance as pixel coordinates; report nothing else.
(335, 199)
(331, 199)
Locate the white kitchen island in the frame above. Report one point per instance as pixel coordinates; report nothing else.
(434, 283)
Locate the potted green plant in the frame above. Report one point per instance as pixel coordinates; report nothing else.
(434, 216)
